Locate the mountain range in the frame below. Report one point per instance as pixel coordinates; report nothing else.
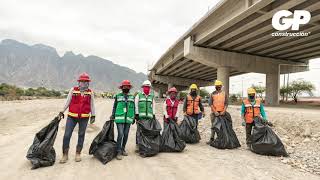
(40, 65)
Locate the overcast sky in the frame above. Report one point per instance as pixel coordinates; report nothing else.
(133, 33)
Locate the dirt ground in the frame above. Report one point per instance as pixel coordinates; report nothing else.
(20, 120)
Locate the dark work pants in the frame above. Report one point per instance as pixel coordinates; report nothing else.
(249, 127)
(196, 117)
(123, 134)
(70, 125)
(213, 118)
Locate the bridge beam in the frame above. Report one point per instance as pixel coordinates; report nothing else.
(178, 81)
(241, 62)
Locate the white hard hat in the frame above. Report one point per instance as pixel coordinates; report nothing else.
(146, 83)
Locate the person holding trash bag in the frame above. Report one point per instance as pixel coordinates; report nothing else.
(144, 105)
(123, 114)
(218, 103)
(80, 102)
(171, 141)
(41, 153)
(251, 107)
(192, 105)
(171, 107)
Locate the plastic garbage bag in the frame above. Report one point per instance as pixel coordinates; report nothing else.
(189, 130)
(171, 141)
(148, 137)
(103, 146)
(265, 141)
(41, 153)
(226, 137)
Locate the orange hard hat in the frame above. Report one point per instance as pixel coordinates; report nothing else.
(84, 77)
(173, 89)
(125, 83)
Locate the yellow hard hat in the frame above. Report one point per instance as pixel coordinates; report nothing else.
(194, 86)
(218, 83)
(251, 91)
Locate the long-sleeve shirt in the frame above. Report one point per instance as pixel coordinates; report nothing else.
(211, 101)
(136, 102)
(262, 112)
(185, 104)
(164, 108)
(68, 101)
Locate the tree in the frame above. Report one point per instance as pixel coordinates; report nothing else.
(204, 93)
(260, 90)
(298, 87)
(284, 91)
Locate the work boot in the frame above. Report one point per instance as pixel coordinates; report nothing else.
(119, 157)
(64, 158)
(78, 157)
(124, 153)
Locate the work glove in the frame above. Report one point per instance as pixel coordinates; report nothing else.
(61, 115)
(134, 121)
(111, 117)
(136, 117)
(92, 119)
(269, 123)
(216, 114)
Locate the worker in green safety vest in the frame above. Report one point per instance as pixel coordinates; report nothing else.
(123, 114)
(145, 105)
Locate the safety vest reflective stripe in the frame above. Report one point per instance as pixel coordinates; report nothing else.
(144, 99)
(121, 118)
(78, 92)
(76, 115)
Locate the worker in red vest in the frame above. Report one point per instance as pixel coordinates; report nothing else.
(171, 107)
(218, 103)
(80, 102)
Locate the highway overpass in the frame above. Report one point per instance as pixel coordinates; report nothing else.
(235, 37)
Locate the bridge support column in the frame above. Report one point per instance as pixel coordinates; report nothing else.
(161, 92)
(272, 87)
(223, 74)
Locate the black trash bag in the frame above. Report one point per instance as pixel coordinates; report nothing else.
(189, 130)
(226, 137)
(171, 141)
(148, 137)
(103, 146)
(41, 153)
(264, 141)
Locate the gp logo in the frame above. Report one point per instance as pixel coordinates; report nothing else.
(281, 20)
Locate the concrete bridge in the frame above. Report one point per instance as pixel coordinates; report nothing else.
(234, 38)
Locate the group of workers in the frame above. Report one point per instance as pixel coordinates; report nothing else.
(127, 109)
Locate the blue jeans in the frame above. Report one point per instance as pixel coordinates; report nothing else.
(70, 124)
(123, 133)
